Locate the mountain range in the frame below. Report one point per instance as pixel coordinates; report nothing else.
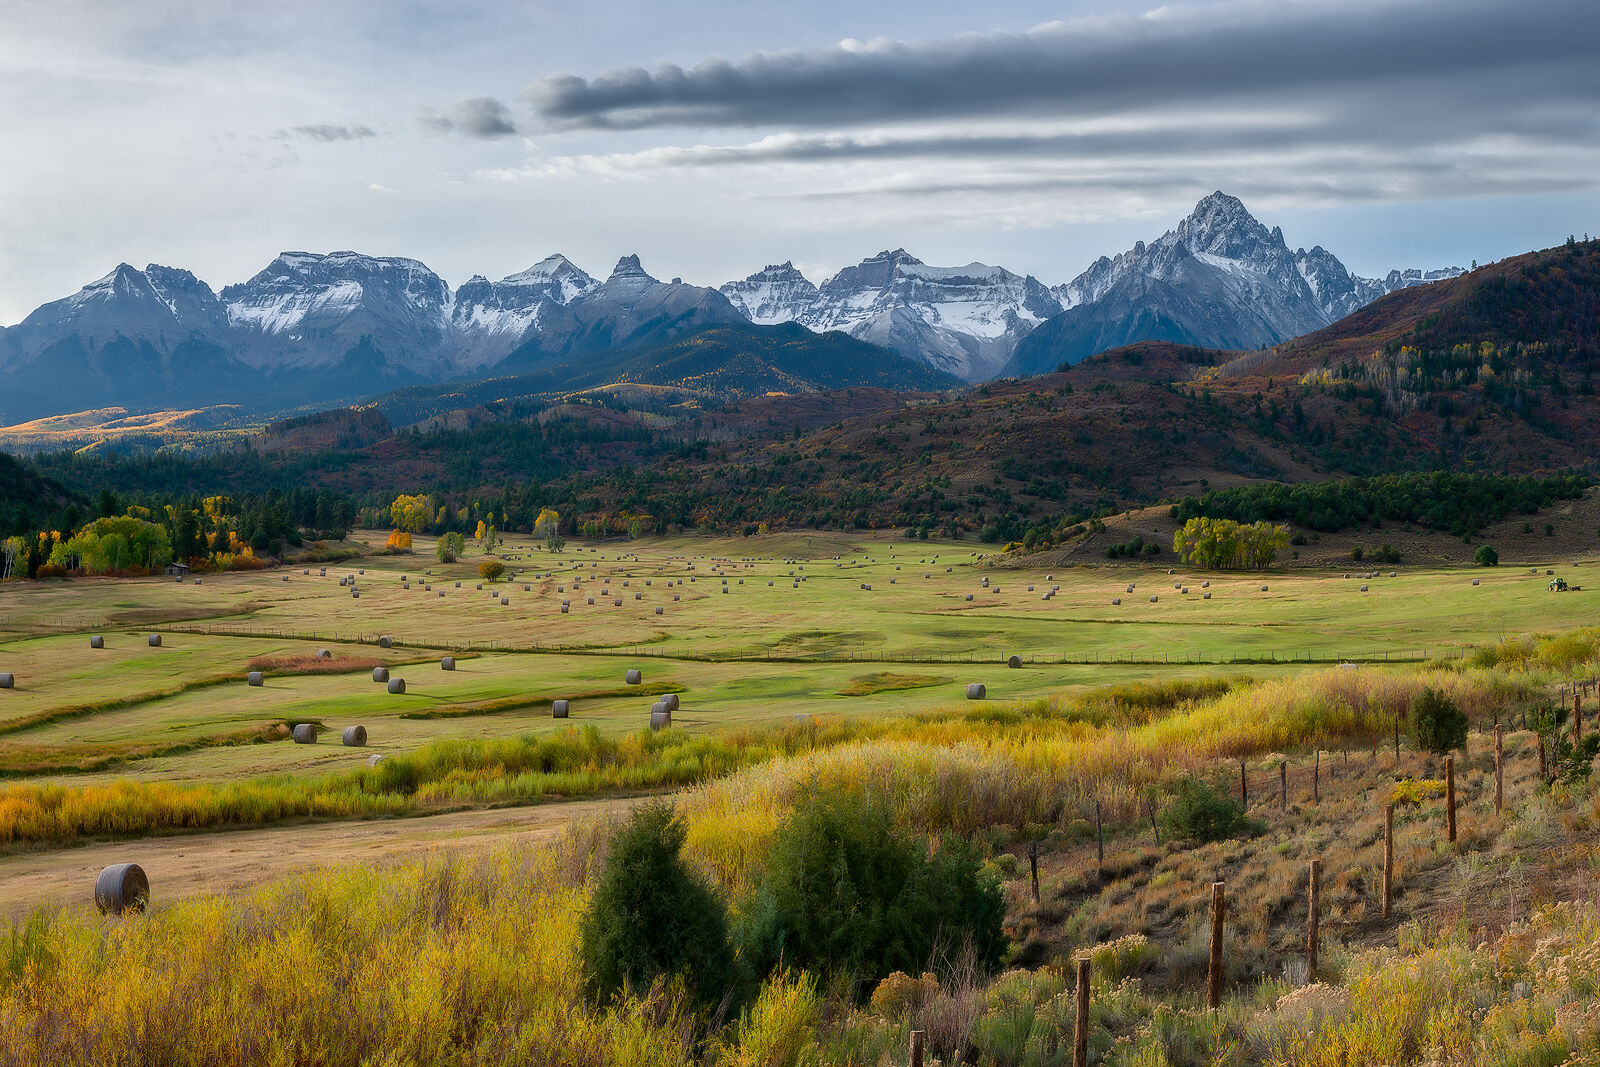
(314, 329)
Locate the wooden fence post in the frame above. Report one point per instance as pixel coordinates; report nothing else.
(1033, 863)
(1313, 915)
(1577, 716)
(1316, 779)
(1080, 1032)
(1214, 973)
(1151, 810)
(1244, 787)
(917, 1038)
(1450, 795)
(1283, 785)
(1397, 740)
(1499, 770)
(1388, 860)
(1099, 837)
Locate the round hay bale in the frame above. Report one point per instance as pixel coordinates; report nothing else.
(448, 663)
(1205, 596)
(375, 759)
(969, 596)
(591, 601)
(564, 609)
(1130, 587)
(305, 734)
(441, 592)
(660, 717)
(8, 681)
(155, 640)
(1363, 589)
(355, 737)
(397, 685)
(633, 677)
(1205, 585)
(638, 596)
(255, 678)
(1474, 581)
(661, 611)
(380, 674)
(670, 700)
(458, 585)
(323, 653)
(97, 641)
(198, 581)
(121, 888)
(675, 598)
(323, 572)
(286, 577)
(505, 601)
(1116, 602)
(1154, 599)
(385, 641)
(1263, 589)
(558, 709)
(1547, 572)
(1014, 662)
(355, 595)
(976, 691)
(617, 602)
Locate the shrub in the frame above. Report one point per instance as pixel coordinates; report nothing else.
(847, 891)
(1486, 557)
(1437, 724)
(652, 917)
(1356, 553)
(1198, 811)
(489, 570)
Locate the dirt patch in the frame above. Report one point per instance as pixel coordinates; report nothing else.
(192, 864)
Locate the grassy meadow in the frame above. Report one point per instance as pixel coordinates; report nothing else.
(811, 685)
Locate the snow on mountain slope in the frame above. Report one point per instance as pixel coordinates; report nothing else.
(962, 320)
(491, 319)
(1220, 279)
(772, 295)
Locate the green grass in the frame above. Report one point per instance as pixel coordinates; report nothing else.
(755, 654)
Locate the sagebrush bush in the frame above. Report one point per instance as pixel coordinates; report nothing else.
(1437, 724)
(847, 891)
(1198, 811)
(651, 917)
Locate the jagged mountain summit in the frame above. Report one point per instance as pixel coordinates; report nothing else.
(492, 319)
(1220, 279)
(132, 337)
(630, 308)
(964, 321)
(313, 327)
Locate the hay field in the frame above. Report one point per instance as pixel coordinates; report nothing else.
(812, 641)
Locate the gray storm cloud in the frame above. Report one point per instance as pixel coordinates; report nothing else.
(479, 116)
(329, 132)
(1539, 52)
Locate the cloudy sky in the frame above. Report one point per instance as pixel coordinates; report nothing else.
(715, 136)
